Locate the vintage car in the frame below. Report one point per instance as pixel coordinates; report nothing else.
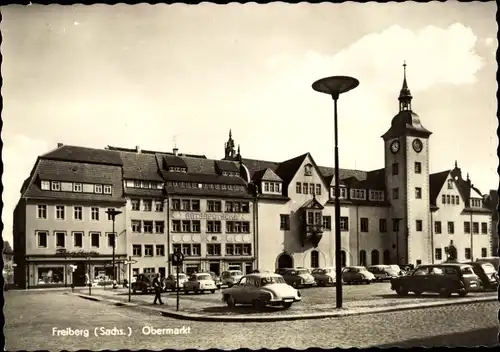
(170, 283)
(231, 277)
(357, 274)
(486, 273)
(260, 290)
(323, 277)
(444, 279)
(143, 283)
(199, 283)
(299, 277)
(383, 272)
(218, 281)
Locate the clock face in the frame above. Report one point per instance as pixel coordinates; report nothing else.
(395, 147)
(417, 145)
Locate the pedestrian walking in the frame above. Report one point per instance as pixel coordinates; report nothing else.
(157, 288)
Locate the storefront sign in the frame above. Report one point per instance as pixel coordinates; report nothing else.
(209, 216)
(66, 253)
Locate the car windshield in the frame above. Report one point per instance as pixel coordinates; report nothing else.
(488, 268)
(319, 271)
(268, 280)
(204, 277)
(302, 271)
(236, 273)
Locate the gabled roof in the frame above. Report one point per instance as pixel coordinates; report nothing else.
(287, 169)
(254, 165)
(173, 161)
(436, 182)
(266, 175)
(226, 166)
(140, 166)
(84, 155)
(312, 204)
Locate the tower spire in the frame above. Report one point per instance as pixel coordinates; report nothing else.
(230, 134)
(405, 94)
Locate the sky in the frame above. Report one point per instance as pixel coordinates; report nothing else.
(158, 75)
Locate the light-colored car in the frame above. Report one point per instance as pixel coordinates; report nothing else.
(261, 290)
(325, 276)
(199, 283)
(357, 274)
(170, 282)
(231, 277)
(383, 272)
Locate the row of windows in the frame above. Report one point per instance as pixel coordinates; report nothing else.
(451, 227)
(214, 249)
(60, 212)
(417, 168)
(147, 204)
(78, 237)
(438, 253)
(148, 226)
(308, 188)
(450, 199)
(272, 187)
(149, 250)
(476, 202)
(212, 226)
(209, 186)
(143, 184)
(359, 194)
(75, 187)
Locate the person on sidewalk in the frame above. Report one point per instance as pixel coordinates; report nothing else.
(157, 288)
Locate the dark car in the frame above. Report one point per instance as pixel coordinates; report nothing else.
(486, 273)
(143, 283)
(299, 277)
(218, 281)
(444, 279)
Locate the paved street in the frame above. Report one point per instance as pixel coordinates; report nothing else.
(31, 317)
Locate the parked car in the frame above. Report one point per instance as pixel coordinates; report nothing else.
(406, 269)
(299, 277)
(495, 261)
(383, 272)
(324, 276)
(170, 283)
(260, 290)
(486, 273)
(218, 281)
(231, 277)
(199, 283)
(143, 283)
(357, 274)
(444, 279)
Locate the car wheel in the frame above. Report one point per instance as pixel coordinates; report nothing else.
(230, 301)
(443, 292)
(287, 305)
(213, 291)
(418, 293)
(144, 290)
(186, 292)
(368, 282)
(321, 283)
(400, 290)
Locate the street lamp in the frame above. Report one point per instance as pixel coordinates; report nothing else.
(395, 225)
(113, 213)
(334, 86)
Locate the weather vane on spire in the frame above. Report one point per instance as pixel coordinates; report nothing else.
(175, 141)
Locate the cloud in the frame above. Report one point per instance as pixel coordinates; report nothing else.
(489, 41)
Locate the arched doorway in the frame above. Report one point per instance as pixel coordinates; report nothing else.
(285, 261)
(343, 259)
(362, 257)
(375, 257)
(314, 259)
(387, 257)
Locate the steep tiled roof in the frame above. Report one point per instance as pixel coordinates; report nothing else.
(226, 166)
(84, 155)
(140, 166)
(406, 122)
(266, 175)
(173, 161)
(257, 165)
(144, 192)
(203, 178)
(436, 182)
(120, 149)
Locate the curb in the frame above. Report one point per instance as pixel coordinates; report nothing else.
(343, 312)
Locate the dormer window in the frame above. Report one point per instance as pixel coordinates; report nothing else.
(56, 185)
(476, 202)
(450, 184)
(308, 170)
(45, 186)
(342, 190)
(358, 194)
(376, 195)
(271, 187)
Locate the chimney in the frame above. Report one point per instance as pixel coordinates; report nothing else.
(59, 145)
(176, 151)
(137, 149)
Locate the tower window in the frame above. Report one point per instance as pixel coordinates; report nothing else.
(395, 193)
(418, 192)
(395, 168)
(418, 167)
(419, 225)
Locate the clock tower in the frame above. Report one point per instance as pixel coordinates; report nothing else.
(406, 150)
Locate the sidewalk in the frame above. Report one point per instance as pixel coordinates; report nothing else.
(211, 308)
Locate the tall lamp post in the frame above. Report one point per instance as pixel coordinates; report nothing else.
(113, 213)
(334, 86)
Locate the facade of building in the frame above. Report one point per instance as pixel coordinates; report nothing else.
(8, 264)
(239, 213)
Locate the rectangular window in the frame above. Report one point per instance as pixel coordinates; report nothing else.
(418, 192)
(457, 200)
(186, 225)
(364, 225)
(45, 186)
(214, 206)
(344, 223)
(185, 204)
(77, 187)
(176, 226)
(159, 206)
(137, 250)
(266, 186)
(107, 189)
(245, 227)
(484, 228)
(136, 204)
(94, 239)
(98, 189)
(78, 213)
(213, 249)
(60, 239)
(395, 193)
(111, 239)
(136, 225)
(94, 213)
(110, 217)
(195, 249)
(318, 218)
(484, 252)
(443, 199)
(41, 211)
(147, 204)
(159, 226)
(418, 167)
(382, 223)
(298, 188)
(475, 227)
(186, 249)
(451, 227)
(148, 250)
(310, 218)
(318, 189)
(42, 239)
(437, 227)
(467, 253)
(395, 168)
(438, 254)
(284, 222)
(418, 225)
(247, 249)
(78, 239)
(148, 270)
(448, 199)
(466, 227)
(395, 225)
(148, 227)
(305, 188)
(176, 204)
(160, 250)
(229, 249)
(55, 185)
(453, 200)
(213, 226)
(245, 207)
(238, 249)
(311, 188)
(195, 226)
(327, 223)
(60, 213)
(450, 184)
